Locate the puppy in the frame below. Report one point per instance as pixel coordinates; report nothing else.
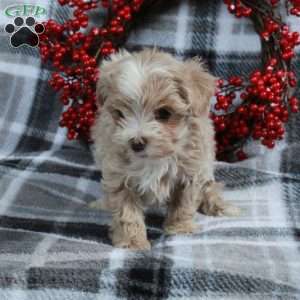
(154, 143)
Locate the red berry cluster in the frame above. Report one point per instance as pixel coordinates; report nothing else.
(238, 8)
(75, 54)
(288, 41)
(262, 112)
(281, 33)
(295, 7)
(259, 106)
(270, 27)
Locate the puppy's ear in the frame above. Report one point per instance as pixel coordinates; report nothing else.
(107, 71)
(198, 85)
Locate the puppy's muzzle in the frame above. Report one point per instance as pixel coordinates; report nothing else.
(138, 145)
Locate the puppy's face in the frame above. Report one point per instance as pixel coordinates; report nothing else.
(150, 98)
(148, 120)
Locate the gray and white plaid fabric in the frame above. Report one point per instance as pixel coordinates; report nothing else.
(52, 246)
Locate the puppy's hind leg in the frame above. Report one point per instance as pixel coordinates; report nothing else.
(212, 203)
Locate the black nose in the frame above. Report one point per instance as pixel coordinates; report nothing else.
(138, 145)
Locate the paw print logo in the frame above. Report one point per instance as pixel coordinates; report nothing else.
(24, 33)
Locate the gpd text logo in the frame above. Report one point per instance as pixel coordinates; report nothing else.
(25, 10)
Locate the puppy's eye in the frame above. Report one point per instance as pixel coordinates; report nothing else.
(117, 114)
(162, 114)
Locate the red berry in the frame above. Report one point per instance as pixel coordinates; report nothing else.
(220, 83)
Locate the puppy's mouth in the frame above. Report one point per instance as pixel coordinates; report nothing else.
(141, 155)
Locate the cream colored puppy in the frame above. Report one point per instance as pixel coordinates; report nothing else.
(154, 143)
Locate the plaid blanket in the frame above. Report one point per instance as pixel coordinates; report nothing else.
(53, 246)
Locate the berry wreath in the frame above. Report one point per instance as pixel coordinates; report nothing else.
(246, 108)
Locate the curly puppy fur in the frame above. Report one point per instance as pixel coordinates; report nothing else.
(154, 143)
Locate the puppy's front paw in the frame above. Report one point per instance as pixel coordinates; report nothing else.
(180, 227)
(133, 244)
(214, 205)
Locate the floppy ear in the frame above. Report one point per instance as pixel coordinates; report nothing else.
(199, 85)
(107, 71)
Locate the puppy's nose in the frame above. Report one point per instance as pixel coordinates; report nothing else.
(138, 145)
